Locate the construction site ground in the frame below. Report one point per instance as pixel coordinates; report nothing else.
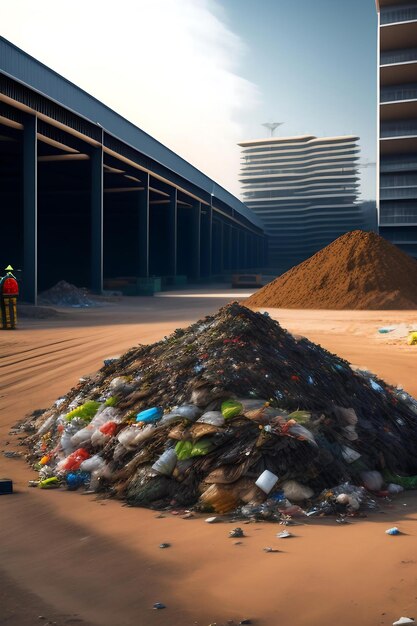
(73, 559)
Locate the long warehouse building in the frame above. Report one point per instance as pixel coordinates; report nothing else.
(85, 195)
(305, 191)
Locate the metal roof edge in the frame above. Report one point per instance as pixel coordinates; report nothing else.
(206, 184)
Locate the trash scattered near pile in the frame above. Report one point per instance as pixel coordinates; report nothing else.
(231, 414)
(65, 294)
(359, 270)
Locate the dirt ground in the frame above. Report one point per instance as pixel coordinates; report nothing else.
(68, 559)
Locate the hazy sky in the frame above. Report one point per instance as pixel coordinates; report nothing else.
(201, 75)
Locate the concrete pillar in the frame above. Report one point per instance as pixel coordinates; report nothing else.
(143, 229)
(30, 210)
(96, 199)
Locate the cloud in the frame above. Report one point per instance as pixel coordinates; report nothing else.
(169, 66)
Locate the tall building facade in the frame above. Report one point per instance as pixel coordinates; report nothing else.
(305, 191)
(397, 112)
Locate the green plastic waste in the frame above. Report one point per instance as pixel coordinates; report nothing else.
(49, 483)
(86, 411)
(202, 447)
(301, 417)
(184, 450)
(231, 408)
(408, 482)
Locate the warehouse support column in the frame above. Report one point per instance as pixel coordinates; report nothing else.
(143, 229)
(234, 247)
(222, 243)
(172, 234)
(206, 240)
(30, 210)
(229, 238)
(97, 219)
(196, 241)
(239, 250)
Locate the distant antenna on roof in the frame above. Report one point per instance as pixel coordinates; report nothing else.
(272, 126)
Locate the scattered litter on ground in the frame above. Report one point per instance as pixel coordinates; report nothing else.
(9, 454)
(269, 549)
(236, 533)
(65, 294)
(164, 545)
(404, 620)
(159, 605)
(401, 332)
(359, 270)
(412, 338)
(231, 415)
(284, 534)
(393, 531)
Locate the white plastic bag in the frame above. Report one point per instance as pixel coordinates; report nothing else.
(92, 464)
(294, 490)
(300, 431)
(189, 411)
(127, 436)
(372, 480)
(82, 437)
(212, 417)
(166, 462)
(66, 443)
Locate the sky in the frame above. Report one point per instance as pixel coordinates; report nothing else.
(202, 75)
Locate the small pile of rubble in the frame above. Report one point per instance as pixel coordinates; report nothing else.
(65, 294)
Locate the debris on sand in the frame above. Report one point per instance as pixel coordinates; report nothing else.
(210, 412)
(65, 294)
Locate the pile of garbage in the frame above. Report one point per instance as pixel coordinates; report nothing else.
(232, 413)
(65, 294)
(359, 270)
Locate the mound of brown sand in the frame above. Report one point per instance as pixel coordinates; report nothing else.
(359, 270)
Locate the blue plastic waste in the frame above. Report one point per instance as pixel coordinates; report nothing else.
(150, 416)
(375, 385)
(76, 479)
(393, 531)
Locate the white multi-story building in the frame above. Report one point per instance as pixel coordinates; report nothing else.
(305, 191)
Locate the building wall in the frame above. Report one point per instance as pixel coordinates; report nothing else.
(397, 154)
(87, 196)
(305, 191)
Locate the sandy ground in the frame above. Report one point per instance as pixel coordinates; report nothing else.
(68, 559)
